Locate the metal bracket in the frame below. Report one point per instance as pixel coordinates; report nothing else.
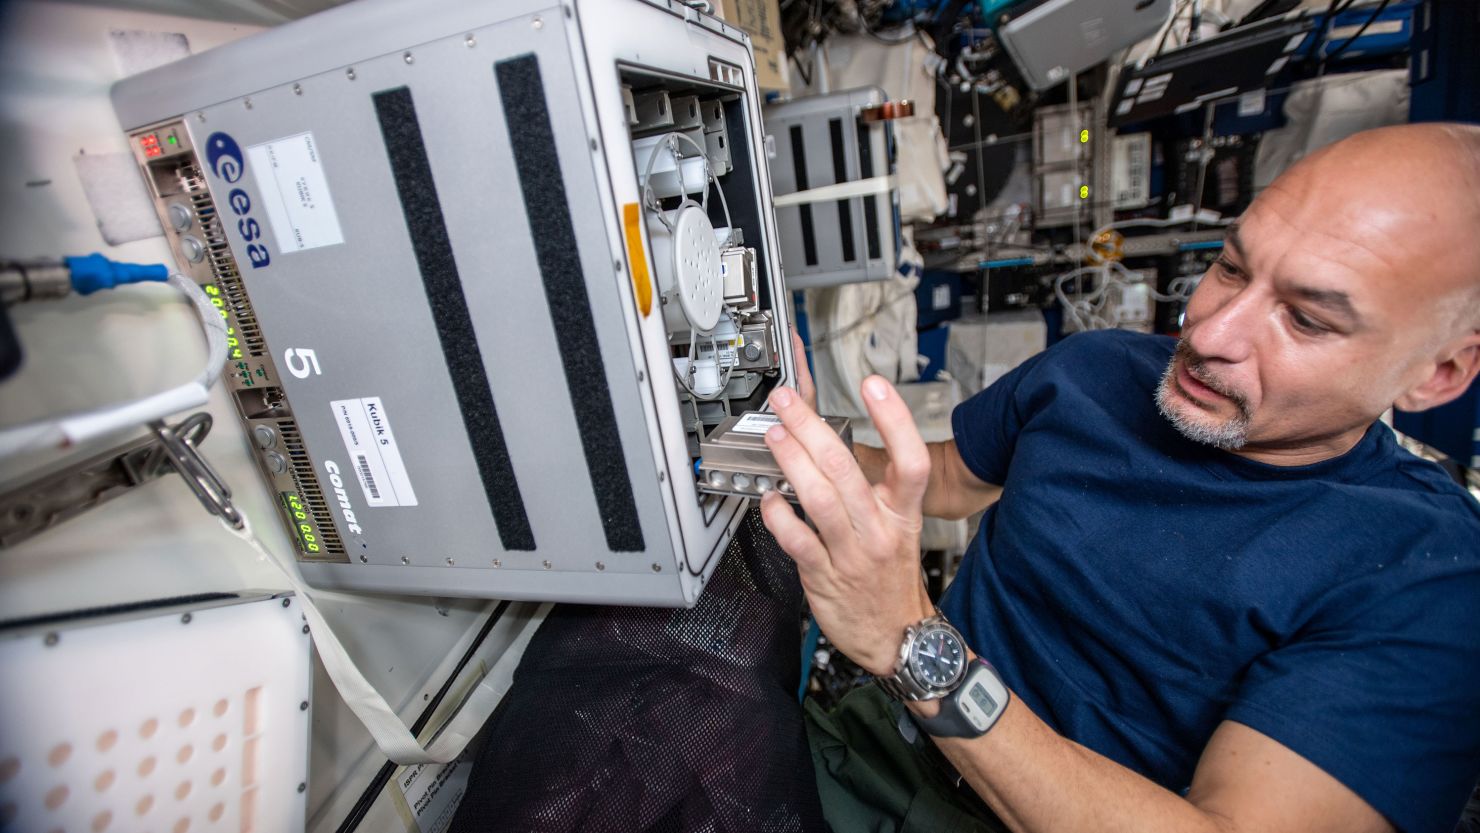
(59, 496)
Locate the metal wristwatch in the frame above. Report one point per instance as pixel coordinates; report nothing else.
(931, 661)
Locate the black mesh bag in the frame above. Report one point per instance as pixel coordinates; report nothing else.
(629, 720)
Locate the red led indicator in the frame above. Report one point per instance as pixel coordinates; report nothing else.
(150, 143)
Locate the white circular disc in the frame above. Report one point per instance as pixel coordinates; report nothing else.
(701, 291)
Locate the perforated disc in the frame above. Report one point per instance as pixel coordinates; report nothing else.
(701, 291)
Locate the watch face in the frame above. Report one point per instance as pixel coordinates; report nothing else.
(937, 659)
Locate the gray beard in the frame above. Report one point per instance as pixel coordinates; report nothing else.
(1229, 435)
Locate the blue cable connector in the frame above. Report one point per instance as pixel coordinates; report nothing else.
(94, 272)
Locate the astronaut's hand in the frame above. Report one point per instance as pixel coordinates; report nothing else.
(861, 567)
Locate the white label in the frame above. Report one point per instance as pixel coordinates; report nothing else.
(373, 454)
(940, 297)
(1386, 27)
(1251, 103)
(756, 423)
(295, 193)
(433, 792)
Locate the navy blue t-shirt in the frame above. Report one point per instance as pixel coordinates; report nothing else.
(1136, 588)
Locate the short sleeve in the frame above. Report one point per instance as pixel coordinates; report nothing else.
(986, 426)
(1384, 697)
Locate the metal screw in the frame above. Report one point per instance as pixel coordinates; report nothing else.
(641, 376)
(547, 564)
(426, 696)
(617, 265)
(185, 620)
(364, 559)
(297, 89)
(657, 568)
(662, 476)
(594, 144)
(287, 602)
(538, 23)
(407, 58)
(51, 640)
(405, 560)
(302, 786)
(497, 563)
(350, 73)
(600, 565)
(200, 116)
(470, 41)
(449, 562)
(305, 628)
(303, 707)
(247, 102)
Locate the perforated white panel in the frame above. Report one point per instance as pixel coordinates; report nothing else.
(190, 720)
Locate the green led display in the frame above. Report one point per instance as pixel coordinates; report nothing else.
(303, 529)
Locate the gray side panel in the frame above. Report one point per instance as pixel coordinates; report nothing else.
(361, 305)
(337, 38)
(658, 590)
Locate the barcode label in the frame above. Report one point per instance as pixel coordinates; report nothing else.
(365, 428)
(367, 477)
(756, 423)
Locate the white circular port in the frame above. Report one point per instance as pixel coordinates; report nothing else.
(741, 482)
(696, 267)
(717, 479)
(762, 484)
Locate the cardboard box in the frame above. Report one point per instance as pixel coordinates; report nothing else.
(761, 19)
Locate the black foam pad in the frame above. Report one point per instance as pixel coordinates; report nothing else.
(429, 240)
(527, 114)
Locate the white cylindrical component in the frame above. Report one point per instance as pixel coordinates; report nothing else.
(706, 380)
(740, 481)
(664, 173)
(686, 262)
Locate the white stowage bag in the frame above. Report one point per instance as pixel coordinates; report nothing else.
(864, 328)
(1327, 109)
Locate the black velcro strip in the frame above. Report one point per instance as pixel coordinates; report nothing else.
(840, 175)
(870, 202)
(799, 167)
(412, 170)
(527, 114)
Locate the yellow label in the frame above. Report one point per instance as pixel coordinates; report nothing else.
(642, 282)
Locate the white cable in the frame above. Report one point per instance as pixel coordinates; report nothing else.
(88, 425)
(385, 726)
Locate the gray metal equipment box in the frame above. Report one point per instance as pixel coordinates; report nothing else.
(1051, 40)
(824, 140)
(458, 264)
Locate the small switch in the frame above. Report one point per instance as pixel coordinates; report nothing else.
(264, 436)
(180, 216)
(192, 248)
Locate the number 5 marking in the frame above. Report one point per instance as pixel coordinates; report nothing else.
(301, 362)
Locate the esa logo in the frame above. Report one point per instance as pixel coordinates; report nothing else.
(224, 156)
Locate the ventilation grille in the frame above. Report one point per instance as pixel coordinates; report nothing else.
(307, 482)
(223, 264)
